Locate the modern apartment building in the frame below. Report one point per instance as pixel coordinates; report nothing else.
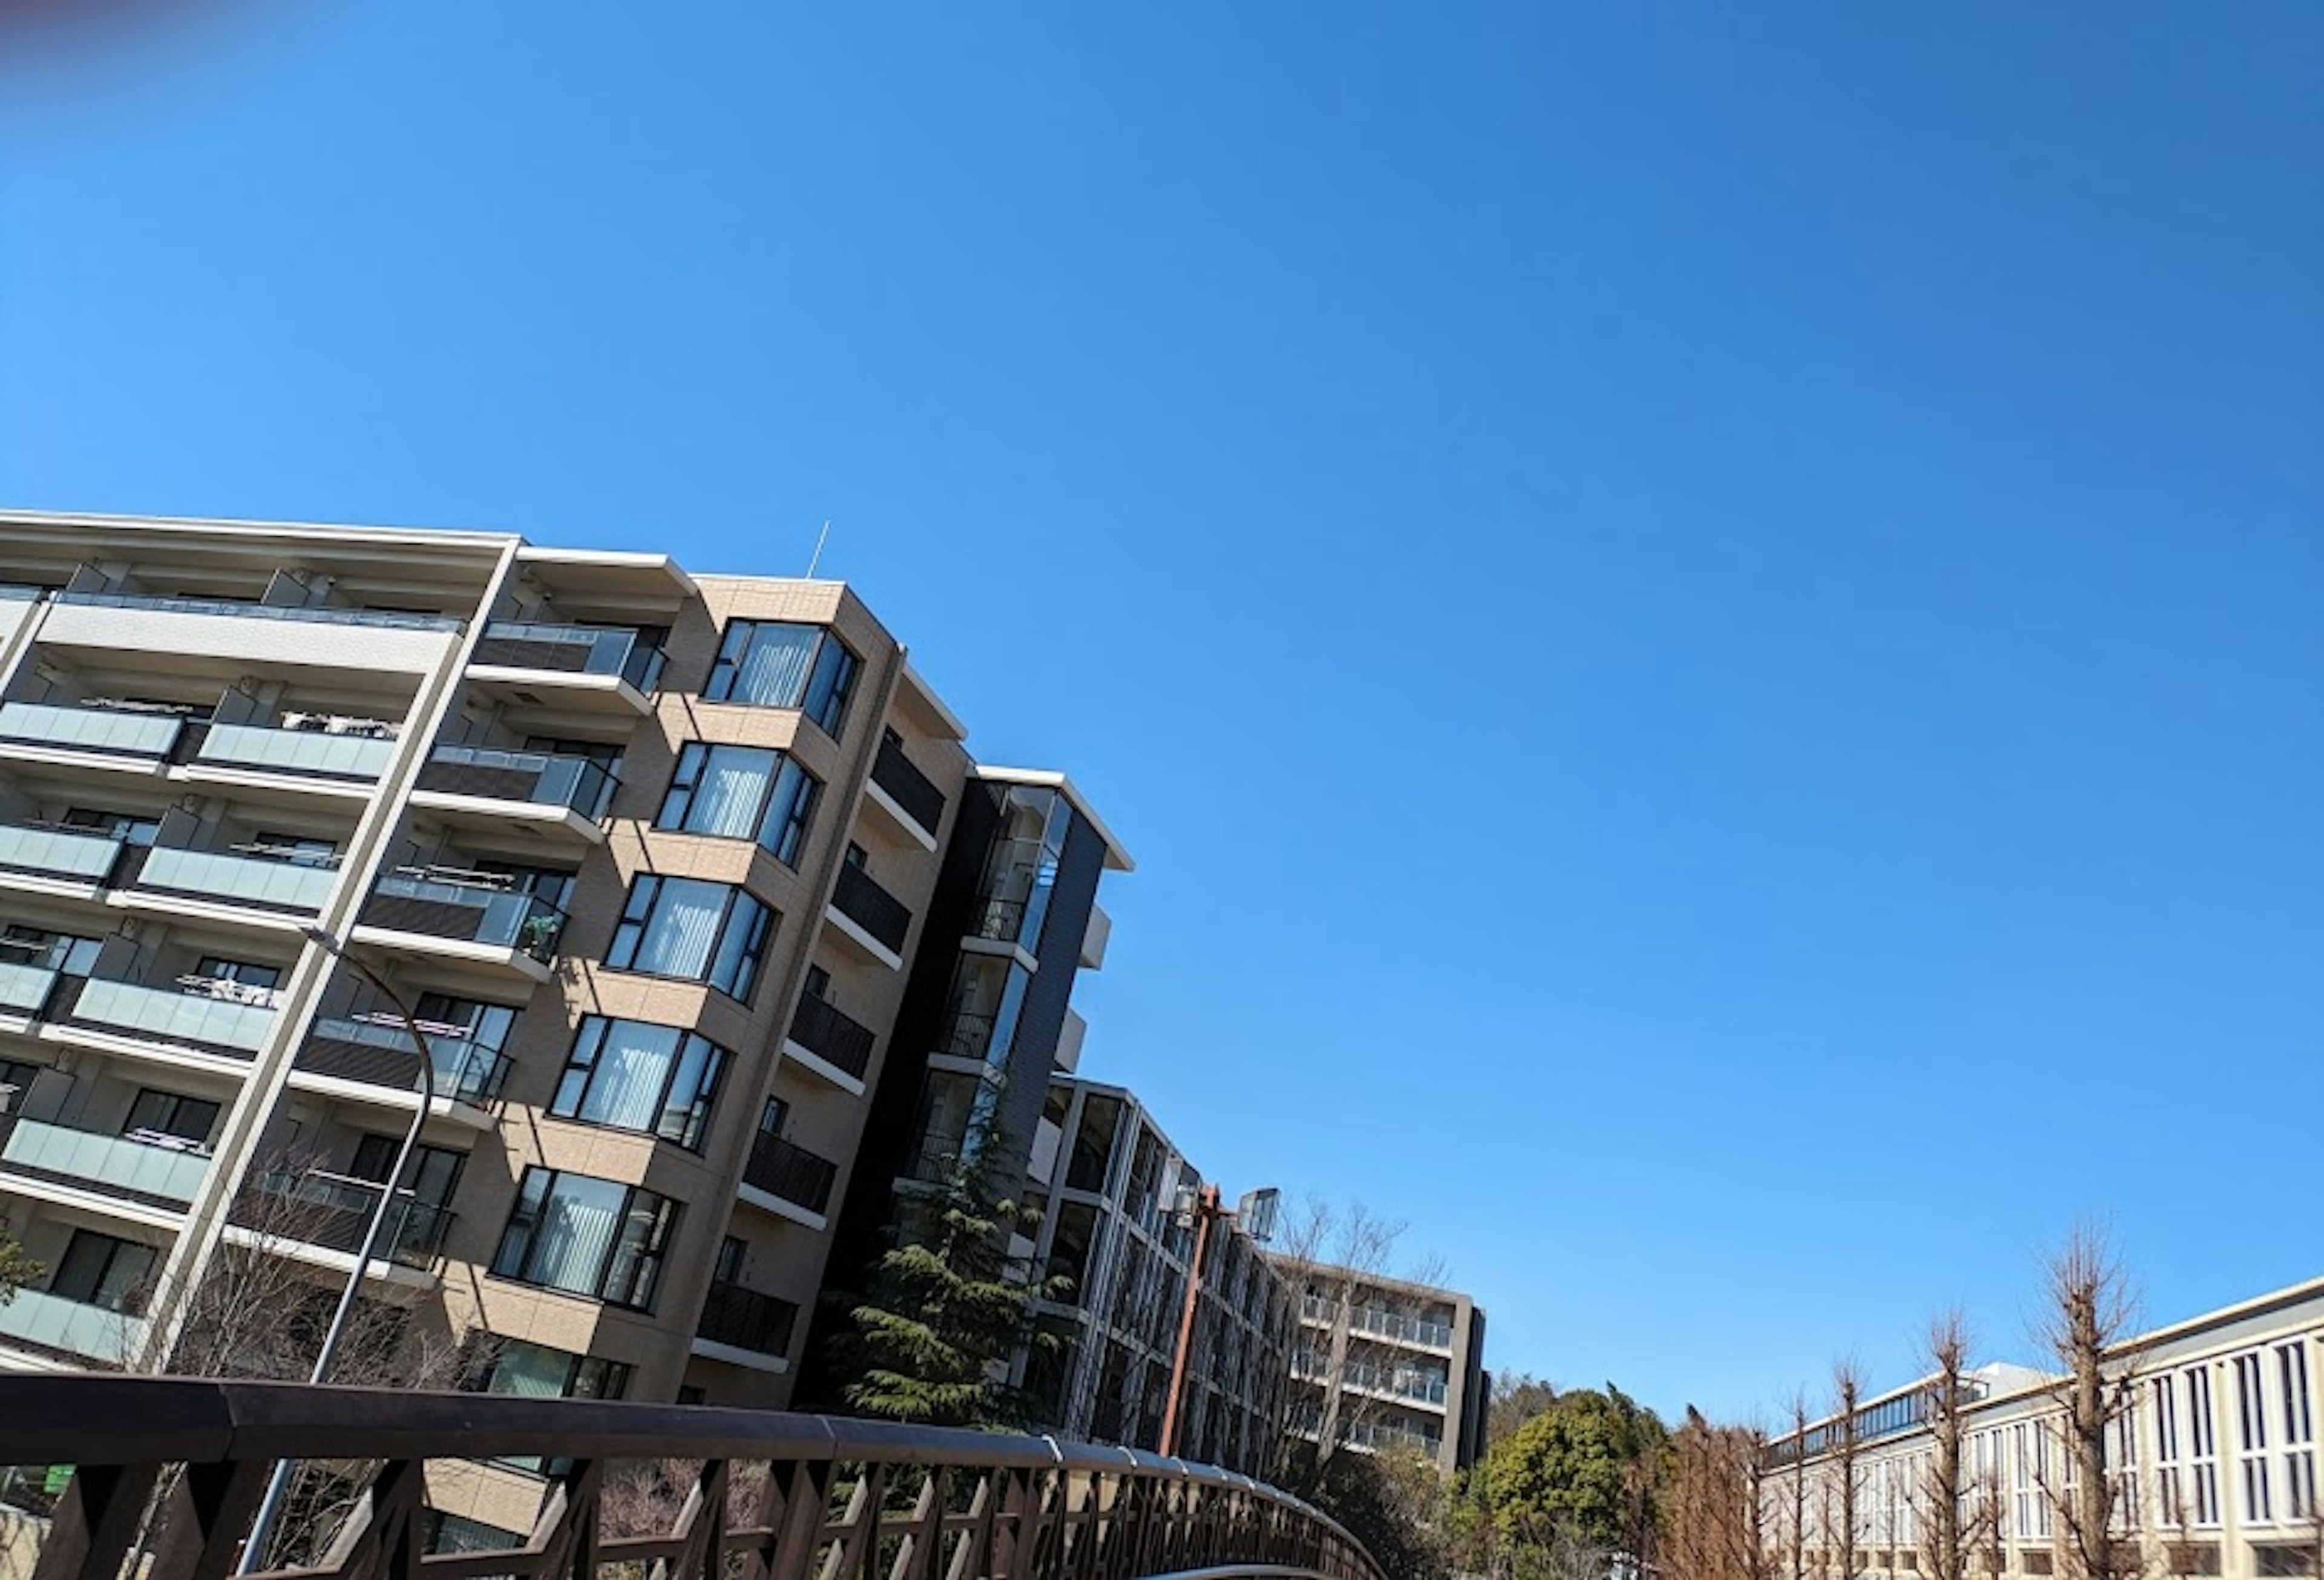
(678, 874)
(1381, 1363)
(2215, 1456)
(1113, 1192)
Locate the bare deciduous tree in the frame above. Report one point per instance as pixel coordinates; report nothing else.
(1796, 1531)
(1943, 1500)
(2087, 1313)
(1713, 1522)
(1845, 1488)
(1338, 1250)
(259, 1312)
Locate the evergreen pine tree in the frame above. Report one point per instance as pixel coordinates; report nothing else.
(946, 1307)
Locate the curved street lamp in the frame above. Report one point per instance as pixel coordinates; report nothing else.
(254, 1550)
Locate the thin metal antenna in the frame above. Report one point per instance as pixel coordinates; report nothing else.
(820, 539)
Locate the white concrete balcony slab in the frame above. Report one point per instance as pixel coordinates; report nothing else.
(265, 636)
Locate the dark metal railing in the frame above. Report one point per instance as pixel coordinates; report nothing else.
(787, 1169)
(749, 1492)
(747, 1318)
(871, 908)
(907, 786)
(825, 1031)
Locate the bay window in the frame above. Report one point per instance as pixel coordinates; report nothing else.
(587, 1236)
(634, 1074)
(769, 663)
(741, 792)
(693, 930)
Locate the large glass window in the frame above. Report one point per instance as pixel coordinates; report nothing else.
(690, 929)
(775, 664)
(588, 1236)
(988, 994)
(633, 1075)
(97, 1270)
(741, 792)
(157, 1114)
(1021, 869)
(530, 1370)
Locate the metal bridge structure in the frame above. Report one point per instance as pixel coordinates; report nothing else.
(166, 1475)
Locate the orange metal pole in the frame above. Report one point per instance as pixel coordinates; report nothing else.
(1207, 1210)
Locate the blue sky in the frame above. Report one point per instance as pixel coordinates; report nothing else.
(1699, 619)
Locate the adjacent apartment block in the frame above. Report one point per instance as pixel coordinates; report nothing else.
(683, 876)
(1381, 1363)
(2214, 1453)
(1113, 1191)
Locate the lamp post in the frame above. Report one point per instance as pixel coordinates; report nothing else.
(1204, 1209)
(254, 1550)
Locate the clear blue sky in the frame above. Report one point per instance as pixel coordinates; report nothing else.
(1700, 619)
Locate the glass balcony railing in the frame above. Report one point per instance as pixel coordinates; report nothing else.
(309, 754)
(121, 732)
(17, 592)
(380, 1053)
(326, 614)
(58, 852)
(208, 1020)
(265, 883)
(67, 1327)
(573, 650)
(158, 1169)
(506, 918)
(24, 990)
(333, 1213)
(541, 778)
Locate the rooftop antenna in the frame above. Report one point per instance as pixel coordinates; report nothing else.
(820, 539)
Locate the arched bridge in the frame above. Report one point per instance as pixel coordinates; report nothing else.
(168, 1473)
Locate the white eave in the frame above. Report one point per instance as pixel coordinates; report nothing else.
(934, 704)
(615, 569)
(1117, 859)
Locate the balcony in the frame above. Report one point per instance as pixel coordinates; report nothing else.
(202, 1013)
(967, 1035)
(790, 1173)
(548, 791)
(736, 1318)
(333, 757)
(64, 855)
(148, 736)
(873, 914)
(1394, 1325)
(379, 1053)
(822, 1033)
(241, 609)
(143, 1167)
(268, 637)
(473, 921)
(333, 1213)
(907, 794)
(24, 990)
(258, 882)
(37, 1320)
(581, 665)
